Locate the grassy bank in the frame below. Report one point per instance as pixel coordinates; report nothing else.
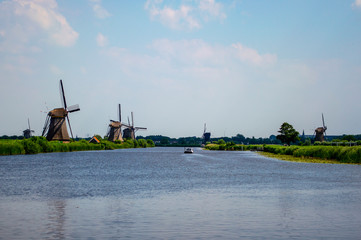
(331, 154)
(41, 145)
(337, 153)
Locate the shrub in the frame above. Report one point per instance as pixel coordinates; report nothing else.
(142, 143)
(30, 146)
(150, 143)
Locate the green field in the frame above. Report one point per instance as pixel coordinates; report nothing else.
(321, 154)
(41, 145)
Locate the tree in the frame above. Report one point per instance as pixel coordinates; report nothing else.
(350, 138)
(288, 134)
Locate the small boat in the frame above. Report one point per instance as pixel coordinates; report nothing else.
(188, 150)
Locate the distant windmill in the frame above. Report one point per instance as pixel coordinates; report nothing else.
(129, 132)
(27, 132)
(55, 124)
(206, 137)
(115, 128)
(320, 132)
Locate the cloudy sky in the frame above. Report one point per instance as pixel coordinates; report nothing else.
(240, 66)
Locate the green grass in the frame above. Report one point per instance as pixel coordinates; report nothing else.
(291, 158)
(329, 154)
(36, 145)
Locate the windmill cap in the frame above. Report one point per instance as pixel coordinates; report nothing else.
(58, 112)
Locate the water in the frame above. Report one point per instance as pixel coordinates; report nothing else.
(161, 193)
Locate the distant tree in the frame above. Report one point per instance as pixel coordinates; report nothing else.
(350, 138)
(288, 134)
(164, 140)
(307, 142)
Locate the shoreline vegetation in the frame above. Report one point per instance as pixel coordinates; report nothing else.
(36, 145)
(314, 154)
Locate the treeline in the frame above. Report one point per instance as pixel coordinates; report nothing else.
(165, 141)
(35, 145)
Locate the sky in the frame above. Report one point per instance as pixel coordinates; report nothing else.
(241, 67)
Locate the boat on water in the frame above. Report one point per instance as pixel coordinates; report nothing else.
(188, 150)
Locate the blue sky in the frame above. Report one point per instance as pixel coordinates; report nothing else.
(240, 66)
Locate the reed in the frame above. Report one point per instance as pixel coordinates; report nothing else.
(36, 145)
(11, 147)
(342, 154)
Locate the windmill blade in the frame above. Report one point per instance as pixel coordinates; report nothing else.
(29, 123)
(46, 126)
(73, 108)
(323, 121)
(140, 128)
(128, 122)
(71, 132)
(120, 113)
(132, 120)
(205, 128)
(62, 94)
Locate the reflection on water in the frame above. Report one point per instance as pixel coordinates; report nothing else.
(165, 194)
(56, 219)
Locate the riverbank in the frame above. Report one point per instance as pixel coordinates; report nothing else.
(319, 154)
(290, 158)
(36, 145)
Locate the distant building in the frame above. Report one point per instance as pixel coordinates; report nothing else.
(94, 140)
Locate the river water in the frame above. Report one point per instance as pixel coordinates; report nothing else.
(162, 193)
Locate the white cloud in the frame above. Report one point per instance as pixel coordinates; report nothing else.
(198, 52)
(55, 70)
(99, 10)
(211, 7)
(357, 3)
(32, 19)
(252, 56)
(102, 41)
(188, 16)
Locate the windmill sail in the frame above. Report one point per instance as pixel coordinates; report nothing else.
(27, 132)
(206, 137)
(129, 132)
(320, 132)
(115, 128)
(55, 128)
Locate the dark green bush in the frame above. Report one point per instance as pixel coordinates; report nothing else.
(31, 147)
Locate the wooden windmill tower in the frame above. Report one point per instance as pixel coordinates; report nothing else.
(27, 132)
(55, 124)
(206, 137)
(320, 132)
(129, 131)
(115, 128)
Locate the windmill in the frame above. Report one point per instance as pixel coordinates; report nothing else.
(206, 137)
(320, 132)
(55, 125)
(115, 128)
(27, 132)
(129, 131)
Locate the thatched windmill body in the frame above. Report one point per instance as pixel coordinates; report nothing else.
(27, 132)
(320, 132)
(115, 128)
(206, 137)
(55, 125)
(129, 131)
